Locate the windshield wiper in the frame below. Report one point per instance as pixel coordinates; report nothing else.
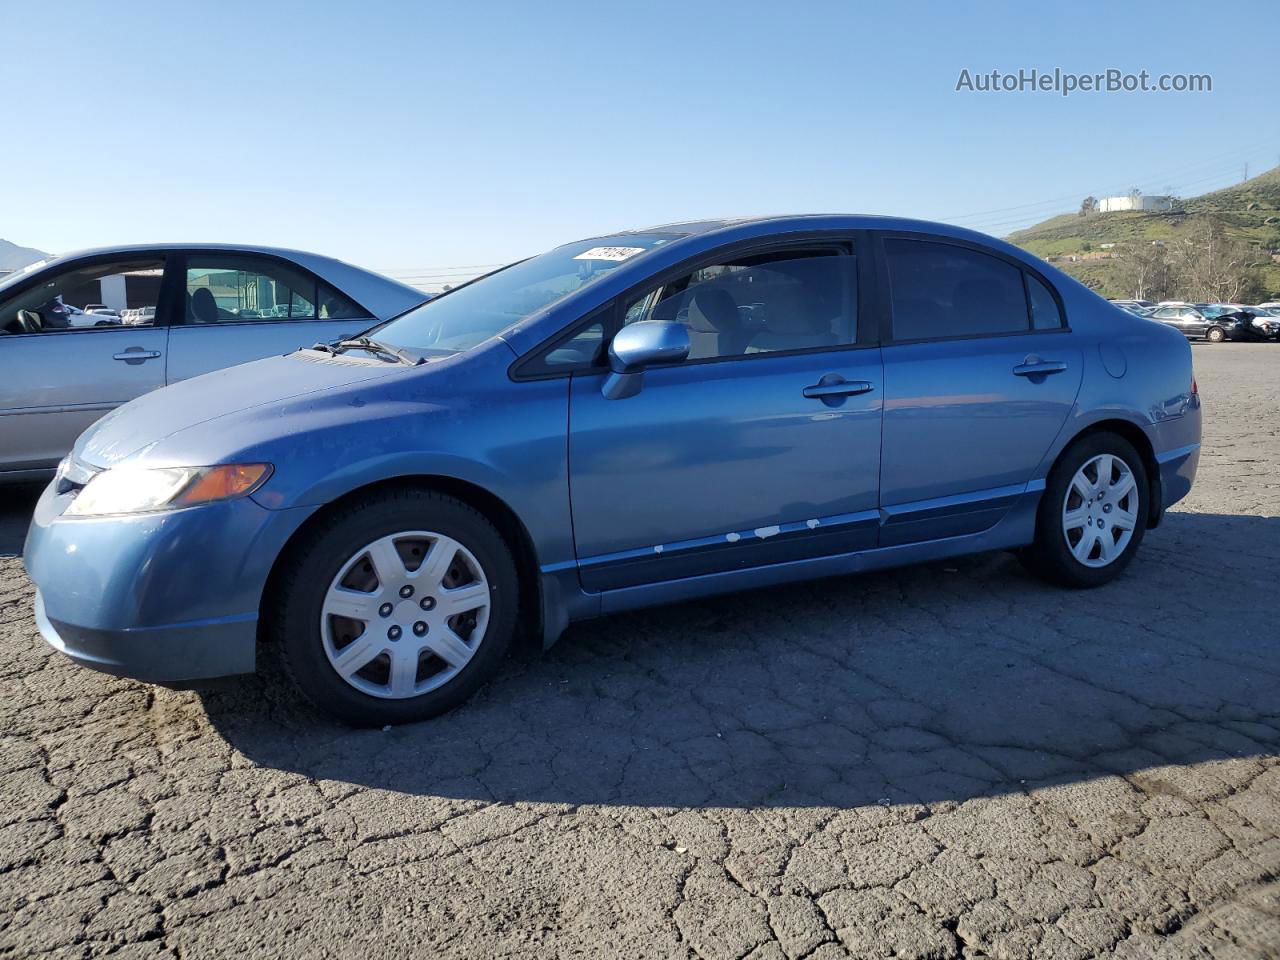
(376, 347)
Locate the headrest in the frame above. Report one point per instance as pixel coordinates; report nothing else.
(807, 300)
(712, 309)
(203, 307)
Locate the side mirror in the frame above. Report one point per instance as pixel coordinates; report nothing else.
(639, 345)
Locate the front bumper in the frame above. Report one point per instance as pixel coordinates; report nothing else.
(176, 653)
(163, 597)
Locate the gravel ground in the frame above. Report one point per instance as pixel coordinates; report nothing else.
(947, 761)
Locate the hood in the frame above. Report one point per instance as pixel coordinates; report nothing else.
(143, 422)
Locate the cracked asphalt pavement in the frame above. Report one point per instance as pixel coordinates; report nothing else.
(946, 761)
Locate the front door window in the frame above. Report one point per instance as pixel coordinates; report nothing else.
(86, 298)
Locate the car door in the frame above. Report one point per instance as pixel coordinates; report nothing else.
(761, 447)
(238, 307)
(1194, 323)
(980, 374)
(62, 368)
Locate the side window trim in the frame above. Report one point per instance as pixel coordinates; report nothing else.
(884, 300)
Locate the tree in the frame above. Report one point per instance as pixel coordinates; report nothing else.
(1088, 205)
(1143, 271)
(1213, 267)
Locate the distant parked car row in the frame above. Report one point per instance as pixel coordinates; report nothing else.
(1214, 322)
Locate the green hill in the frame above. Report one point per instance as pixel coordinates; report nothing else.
(1250, 211)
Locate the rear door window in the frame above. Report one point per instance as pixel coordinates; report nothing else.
(942, 291)
(229, 288)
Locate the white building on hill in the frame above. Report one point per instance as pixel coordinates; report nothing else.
(1136, 201)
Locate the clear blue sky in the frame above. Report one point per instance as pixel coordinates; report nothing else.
(413, 136)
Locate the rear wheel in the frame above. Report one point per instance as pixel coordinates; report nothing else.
(1215, 335)
(396, 609)
(1093, 513)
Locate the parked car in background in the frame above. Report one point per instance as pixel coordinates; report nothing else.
(183, 314)
(1269, 305)
(100, 308)
(1130, 304)
(1130, 307)
(1194, 322)
(718, 406)
(1214, 310)
(1189, 321)
(139, 316)
(1258, 324)
(87, 318)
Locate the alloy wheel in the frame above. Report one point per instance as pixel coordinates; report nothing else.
(405, 614)
(1100, 510)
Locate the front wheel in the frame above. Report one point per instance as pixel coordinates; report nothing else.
(397, 608)
(1215, 335)
(1093, 513)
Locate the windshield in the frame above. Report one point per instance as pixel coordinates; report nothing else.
(474, 313)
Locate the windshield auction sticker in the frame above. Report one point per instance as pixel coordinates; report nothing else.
(609, 253)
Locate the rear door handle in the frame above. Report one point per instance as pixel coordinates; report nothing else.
(136, 355)
(1035, 367)
(834, 385)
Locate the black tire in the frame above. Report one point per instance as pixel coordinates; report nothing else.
(1215, 334)
(1050, 556)
(313, 562)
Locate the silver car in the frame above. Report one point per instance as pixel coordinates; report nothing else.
(186, 310)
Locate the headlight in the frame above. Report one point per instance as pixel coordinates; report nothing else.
(137, 490)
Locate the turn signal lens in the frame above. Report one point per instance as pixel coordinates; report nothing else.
(223, 483)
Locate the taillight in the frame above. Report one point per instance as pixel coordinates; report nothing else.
(1195, 390)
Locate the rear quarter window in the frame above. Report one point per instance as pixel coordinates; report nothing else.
(1045, 314)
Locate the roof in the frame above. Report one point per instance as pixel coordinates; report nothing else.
(801, 221)
(380, 294)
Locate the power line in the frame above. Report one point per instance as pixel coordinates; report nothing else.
(983, 216)
(428, 269)
(1216, 162)
(988, 225)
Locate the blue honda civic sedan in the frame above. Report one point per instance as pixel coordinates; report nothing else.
(632, 419)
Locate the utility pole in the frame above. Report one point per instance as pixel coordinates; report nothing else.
(1246, 173)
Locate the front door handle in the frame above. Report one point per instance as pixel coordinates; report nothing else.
(831, 388)
(136, 355)
(1035, 367)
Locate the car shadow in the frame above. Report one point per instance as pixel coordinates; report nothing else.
(16, 503)
(941, 682)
